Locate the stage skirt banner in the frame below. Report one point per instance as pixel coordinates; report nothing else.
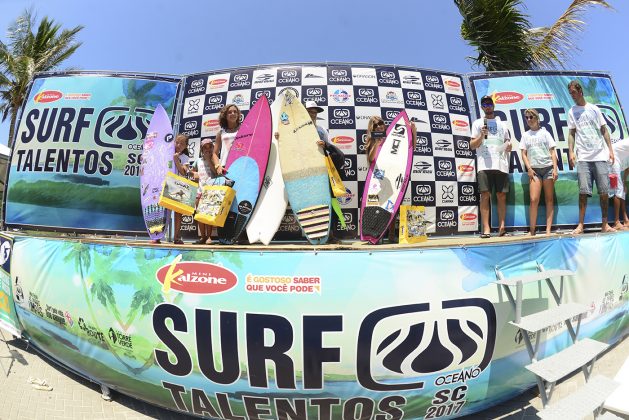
(301, 334)
(443, 174)
(547, 92)
(8, 317)
(78, 147)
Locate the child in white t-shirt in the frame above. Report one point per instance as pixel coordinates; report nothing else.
(538, 154)
(620, 170)
(204, 172)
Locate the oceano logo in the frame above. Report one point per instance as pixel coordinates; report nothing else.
(432, 79)
(445, 165)
(422, 141)
(348, 164)
(216, 99)
(463, 144)
(314, 92)
(341, 113)
(414, 95)
(348, 217)
(387, 75)
(366, 92)
(196, 83)
(241, 77)
(456, 101)
(289, 73)
(261, 93)
(339, 73)
(467, 189)
(190, 125)
(423, 189)
(446, 215)
(392, 114)
(441, 119)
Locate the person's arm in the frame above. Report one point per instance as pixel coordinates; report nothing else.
(216, 161)
(553, 156)
(414, 133)
(608, 140)
(182, 168)
(571, 157)
(372, 146)
(527, 164)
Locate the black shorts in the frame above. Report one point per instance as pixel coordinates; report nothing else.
(490, 179)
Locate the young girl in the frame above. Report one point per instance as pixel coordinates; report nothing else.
(538, 154)
(229, 120)
(203, 171)
(181, 158)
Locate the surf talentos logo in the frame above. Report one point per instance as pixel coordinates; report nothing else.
(403, 342)
(195, 277)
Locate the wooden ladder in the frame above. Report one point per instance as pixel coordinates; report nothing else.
(581, 354)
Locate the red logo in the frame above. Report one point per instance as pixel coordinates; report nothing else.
(453, 84)
(507, 97)
(342, 140)
(211, 123)
(468, 216)
(196, 277)
(466, 168)
(218, 82)
(460, 123)
(48, 96)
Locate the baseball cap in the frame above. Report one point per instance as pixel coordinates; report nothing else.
(313, 104)
(486, 98)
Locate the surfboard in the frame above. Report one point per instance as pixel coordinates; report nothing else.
(272, 202)
(246, 166)
(386, 180)
(157, 159)
(304, 171)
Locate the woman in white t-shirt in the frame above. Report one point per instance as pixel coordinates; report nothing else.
(229, 120)
(538, 153)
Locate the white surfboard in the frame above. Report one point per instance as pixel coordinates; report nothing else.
(272, 202)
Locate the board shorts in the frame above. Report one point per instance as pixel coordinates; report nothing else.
(544, 173)
(619, 191)
(589, 172)
(490, 179)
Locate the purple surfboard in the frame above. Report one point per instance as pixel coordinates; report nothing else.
(246, 166)
(387, 180)
(157, 158)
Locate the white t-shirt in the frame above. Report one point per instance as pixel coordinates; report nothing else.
(492, 154)
(589, 142)
(537, 145)
(226, 144)
(621, 154)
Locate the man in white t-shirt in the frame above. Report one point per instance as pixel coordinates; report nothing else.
(492, 142)
(620, 169)
(588, 132)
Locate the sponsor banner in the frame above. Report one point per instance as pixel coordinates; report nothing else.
(548, 93)
(349, 95)
(201, 332)
(78, 148)
(8, 317)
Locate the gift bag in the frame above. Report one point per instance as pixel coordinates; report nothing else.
(215, 202)
(338, 189)
(413, 224)
(178, 194)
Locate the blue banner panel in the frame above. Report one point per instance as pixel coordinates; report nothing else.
(547, 92)
(76, 159)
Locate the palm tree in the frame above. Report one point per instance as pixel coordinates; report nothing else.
(504, 39)
(27, 53)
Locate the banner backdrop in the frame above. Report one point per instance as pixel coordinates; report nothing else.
(76, 159)
(443, 175)
(334, 334)
(547, 92)
(8, 317)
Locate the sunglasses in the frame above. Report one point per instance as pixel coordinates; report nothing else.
(530, 117)
(378, 124)
(486, 104)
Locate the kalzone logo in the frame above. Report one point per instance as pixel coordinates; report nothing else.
(460, 123)
(314, 91)
(466, 169)
(342, 140)
(190, 125)
(216, 83)
(195, 277)
(406, 342)
(48, 96)
(452, 84)
(507, 97)
(468, 217)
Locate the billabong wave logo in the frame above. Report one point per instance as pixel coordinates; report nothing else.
(404, 342)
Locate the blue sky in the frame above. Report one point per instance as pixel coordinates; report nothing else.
(195, 36)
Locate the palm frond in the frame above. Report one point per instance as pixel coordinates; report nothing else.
(555, 45)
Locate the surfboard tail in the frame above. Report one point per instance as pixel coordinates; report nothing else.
(315, 222)
(375, 221)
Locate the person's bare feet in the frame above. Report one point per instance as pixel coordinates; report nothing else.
(578, 230)
(607, 228)
(620, 226)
